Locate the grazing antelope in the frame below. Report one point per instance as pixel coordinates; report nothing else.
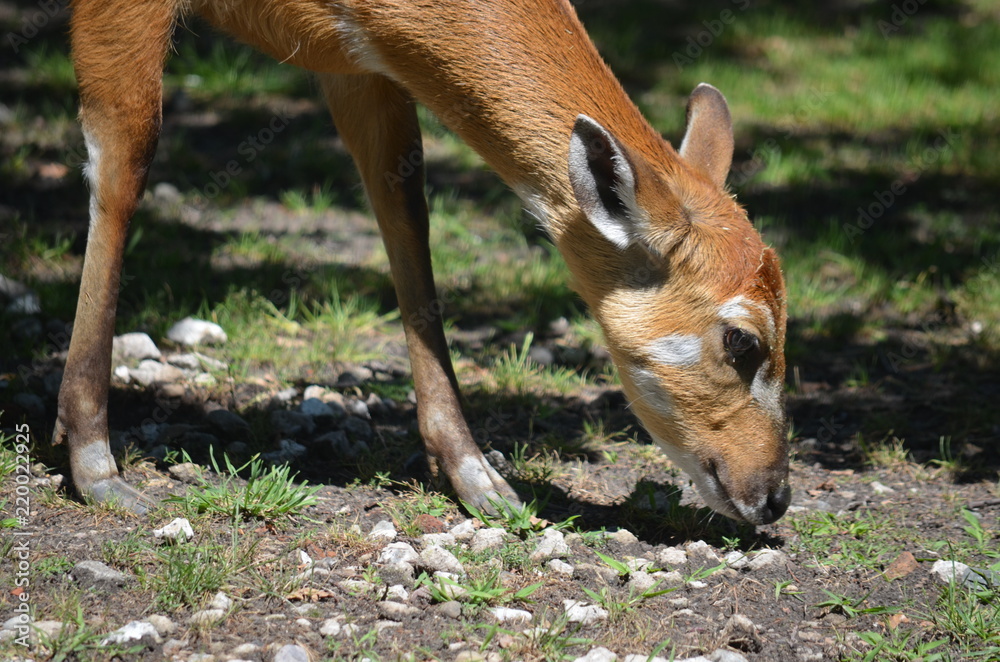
(691, 302)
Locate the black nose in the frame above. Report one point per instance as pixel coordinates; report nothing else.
(777, 504)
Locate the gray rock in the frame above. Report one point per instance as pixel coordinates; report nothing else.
(291, 423)
(450, 609)
(221, 601)
(179, 530)
(438, 559)
(187, 472)
(244, 651)
(196, 361)
(152, 372)
(645, 658)
(398, 573)
(579, 612)
(724, 655)
(949, 571)
(464, 530)
(228, 423)
(701, 550)
(740, 632)
(164, 626)
(207, 617)
(322, 412)
(315, 391)
(737, 560)
(624, 537)
(190, 331)
(552, 544)
(133, 631)
(439, 539)
(358, 429)
(288, 452)
(560, 567)
(383, 530)
(640, 581)
(284, 396)
(96, 574)
(331, 627)
(511, 616)
(768, 558)
(134, 346)
(488, 538)
(599, 654)
(291, 653)
(398, 552)
(396, 611)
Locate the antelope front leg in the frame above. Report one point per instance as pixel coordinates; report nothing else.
(377, 121)
(118, 51)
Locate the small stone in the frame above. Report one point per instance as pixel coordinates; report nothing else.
(450, 609)
(723, 655)
(291, 423)
(396, 611)
(383, 530)
(178, 530)
(152, 372)
(187, 472)
(950, 571)
(121, 373)
(96, 574)
(579, 612)
(398, 552)
(599, 654)
(291, 653)
(560, 567)
(397, 592)
(427, 523)
(439, 539)
(697, 584)
(330, 627)
(701, 550)
(246, 650)
(438, 559)
(285, 395)
(511, 616)
(879, 488)
(228, 423)
(398, 573)
(207, 617)
(670, 577)
(464, 530)
(768, 558)
(672, 557)
(358, 429)
(221, 601)
(315, 391)
(321, 411)
(904, 564)
(448, 587)
(172, 647)
(640, 581)
(624, 537)
(134, 346)
(646, 658)
(740, 632)
(52, 629)
(736, 560)
(552, 544)
(133, 631)
(164, 626)
(190, 331)
(288, 452)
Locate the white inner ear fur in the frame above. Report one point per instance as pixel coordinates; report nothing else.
(620, 230)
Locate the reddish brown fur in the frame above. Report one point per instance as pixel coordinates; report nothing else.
(511, 78)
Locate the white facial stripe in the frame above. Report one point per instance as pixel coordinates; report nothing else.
(651, 392)
(739, 308)
(677, 351)
(766, 393)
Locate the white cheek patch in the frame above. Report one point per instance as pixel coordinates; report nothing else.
(766, 393)
(676, 351)
(651, 393)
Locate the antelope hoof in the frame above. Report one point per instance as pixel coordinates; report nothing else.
(116, 491)
(481, 486)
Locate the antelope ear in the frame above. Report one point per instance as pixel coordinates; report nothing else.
(708, 139)
(603, 181)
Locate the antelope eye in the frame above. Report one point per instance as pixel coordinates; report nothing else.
(738, 342)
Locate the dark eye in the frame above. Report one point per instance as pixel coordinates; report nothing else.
(738, 342)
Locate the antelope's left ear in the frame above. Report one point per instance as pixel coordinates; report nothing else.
(603, 179)
(708, 139)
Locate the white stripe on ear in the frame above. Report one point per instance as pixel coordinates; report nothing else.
(603, 181)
